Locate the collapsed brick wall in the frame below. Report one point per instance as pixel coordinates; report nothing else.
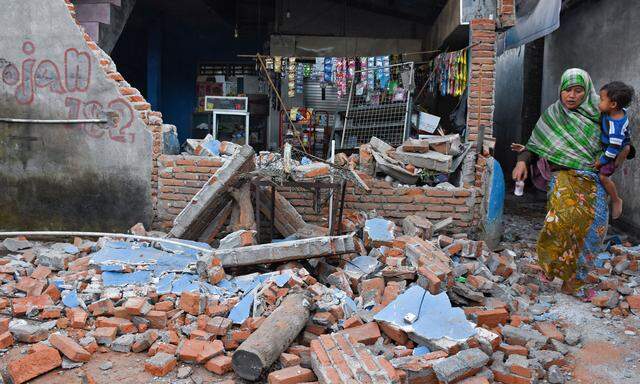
(152, 119)
(396, 203)
(180, 177)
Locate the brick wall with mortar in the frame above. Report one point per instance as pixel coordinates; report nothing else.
(152, 119)
(396, 203)
(481, 82)
(180, 177)
(506, 13)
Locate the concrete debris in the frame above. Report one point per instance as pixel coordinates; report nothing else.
(393, 304)
(436, 318)
(279, 252)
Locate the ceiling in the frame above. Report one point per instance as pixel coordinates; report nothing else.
(261, 17)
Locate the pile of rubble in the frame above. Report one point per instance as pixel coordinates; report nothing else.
(429, 160)
(376, 303)
(370, 308)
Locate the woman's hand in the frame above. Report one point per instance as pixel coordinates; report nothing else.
(518, 148)
(520, 172)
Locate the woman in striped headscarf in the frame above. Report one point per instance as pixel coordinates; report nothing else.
(567, 135)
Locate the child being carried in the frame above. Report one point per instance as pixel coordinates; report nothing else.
(615, 97)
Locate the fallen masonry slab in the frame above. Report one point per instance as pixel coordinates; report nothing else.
(436, 319)
(213, 197)
(430, 160)
(278, 252)
(273, 337)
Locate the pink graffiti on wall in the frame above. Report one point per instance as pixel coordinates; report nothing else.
(34, 76)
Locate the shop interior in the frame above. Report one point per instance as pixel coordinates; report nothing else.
(267, 72)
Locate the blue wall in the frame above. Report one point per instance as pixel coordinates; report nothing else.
(183, 45)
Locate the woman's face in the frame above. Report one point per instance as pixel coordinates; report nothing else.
(573, 96)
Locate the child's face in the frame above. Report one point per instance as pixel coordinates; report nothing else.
(606, 105)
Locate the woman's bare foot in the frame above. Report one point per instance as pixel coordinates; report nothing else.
(616, 208)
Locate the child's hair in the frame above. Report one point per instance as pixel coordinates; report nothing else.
(619, 92)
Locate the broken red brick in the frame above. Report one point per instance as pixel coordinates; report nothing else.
(50, 313)
(40, 361)
(157, 319)
(491, 318)
(372, 289)
(6, 340)
(218, 326)
(53, 292)
(77, 317)
(137, 306)
(634, 301)
(41, 272)
(72, 350)
(219, 365)
(160, 364)
(394, 333)
(192, 303)
(323, 318)
(291, 375)
(123, 325)
(30, 286)
(22, 305)
(509, 349)
(366, 334)
(209, 351)
(549, 330)
(289, 360)
(101, 307)
(189, 350)
(105, 335)
(351, 322)
(163, 306)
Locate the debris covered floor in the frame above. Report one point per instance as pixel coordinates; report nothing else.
(412, 302)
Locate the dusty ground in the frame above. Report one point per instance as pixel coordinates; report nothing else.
(606, 355)
(128, 368)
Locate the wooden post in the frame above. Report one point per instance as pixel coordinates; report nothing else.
(242, 196)
(256, 354)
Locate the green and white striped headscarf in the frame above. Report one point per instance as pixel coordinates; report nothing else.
(570, 138)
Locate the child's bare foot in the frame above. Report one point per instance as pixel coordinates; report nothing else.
(616, 208)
